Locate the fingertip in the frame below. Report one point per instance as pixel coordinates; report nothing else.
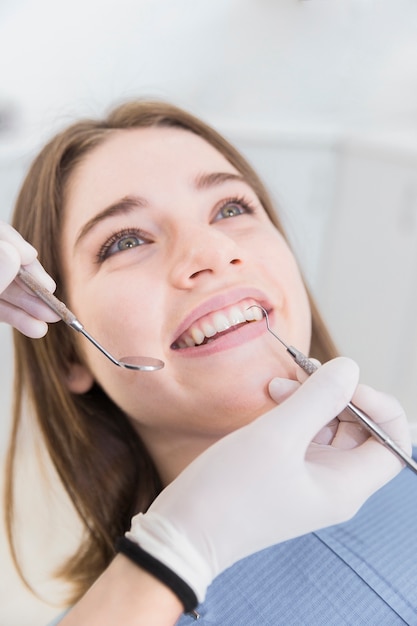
(34, 329)
(281, 388)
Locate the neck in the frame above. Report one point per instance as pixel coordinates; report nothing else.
(172, 454)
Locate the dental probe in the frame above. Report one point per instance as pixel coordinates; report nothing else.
(309, 367)
(140, 363)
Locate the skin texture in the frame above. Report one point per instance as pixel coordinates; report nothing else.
(192, 259)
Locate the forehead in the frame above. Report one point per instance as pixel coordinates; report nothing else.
(148, 153)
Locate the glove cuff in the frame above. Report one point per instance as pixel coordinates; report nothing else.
(160, 571)
(158, 538)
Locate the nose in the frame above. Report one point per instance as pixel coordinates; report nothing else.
(201, 253)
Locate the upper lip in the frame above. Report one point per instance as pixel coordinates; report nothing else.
(218, 302)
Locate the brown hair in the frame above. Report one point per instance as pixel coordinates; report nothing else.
(89, 439)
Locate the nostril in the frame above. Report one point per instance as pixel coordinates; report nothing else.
(235, 261)
(195, 274)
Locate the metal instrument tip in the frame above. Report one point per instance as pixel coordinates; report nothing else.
(265, 312)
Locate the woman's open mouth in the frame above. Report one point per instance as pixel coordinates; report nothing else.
(210, 327)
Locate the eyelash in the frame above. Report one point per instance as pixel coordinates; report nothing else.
(241, 201)
(103, 252)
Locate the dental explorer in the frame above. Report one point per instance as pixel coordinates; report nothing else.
(139, 363)
(309, 367)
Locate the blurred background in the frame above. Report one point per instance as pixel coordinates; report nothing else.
(321, 96)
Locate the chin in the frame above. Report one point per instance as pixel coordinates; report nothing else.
(237, 410)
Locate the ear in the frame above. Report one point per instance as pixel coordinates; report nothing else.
(79, 378)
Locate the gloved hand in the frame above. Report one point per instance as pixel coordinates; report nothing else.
(345, 431)
(267, 482)
(18, 307)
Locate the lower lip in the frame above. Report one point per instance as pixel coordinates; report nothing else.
(242, 334)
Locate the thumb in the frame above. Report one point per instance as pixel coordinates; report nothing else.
(320, 398)
(281, 388)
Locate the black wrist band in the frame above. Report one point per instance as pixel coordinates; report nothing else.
(160, 571)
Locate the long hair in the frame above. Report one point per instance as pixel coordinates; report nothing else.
(89, 439)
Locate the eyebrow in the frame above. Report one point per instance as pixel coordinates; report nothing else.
(128, 203)
(205, 181)
(121, 207)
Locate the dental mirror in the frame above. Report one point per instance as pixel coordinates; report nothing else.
(142, 363)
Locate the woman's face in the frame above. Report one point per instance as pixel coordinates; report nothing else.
(165, 246)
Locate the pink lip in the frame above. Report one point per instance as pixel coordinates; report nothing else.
(219, 302)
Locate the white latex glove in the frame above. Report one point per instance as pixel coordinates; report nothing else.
(19, 307)
(345, 431)
(267, 482)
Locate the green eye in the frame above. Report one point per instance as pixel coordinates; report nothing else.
(128, 242)
(231, 210)
(233, 207)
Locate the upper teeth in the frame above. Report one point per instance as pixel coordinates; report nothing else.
(217, 323)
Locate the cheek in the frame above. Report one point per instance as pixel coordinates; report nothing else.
(122, 316)
(302, 316)
(132, 334)
(299, 311)
(106, 292)
(283, 271)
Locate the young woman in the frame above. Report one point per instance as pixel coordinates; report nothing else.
(161, 238)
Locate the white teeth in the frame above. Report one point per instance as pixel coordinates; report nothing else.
(221, 323)
(218, 323)
(236, 316)
(197, 335)
(208, 329)
(253, 313)
(250, 314)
